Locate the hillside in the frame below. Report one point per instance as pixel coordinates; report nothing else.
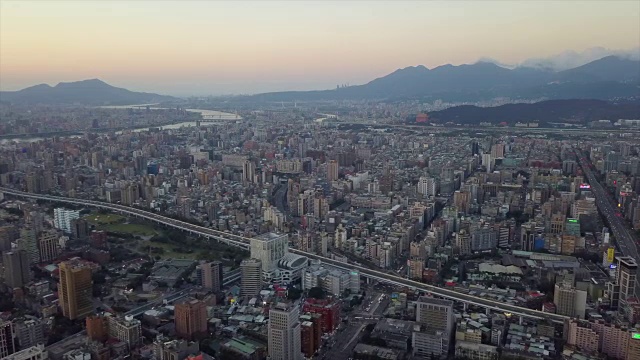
(566, 111)
(87, 92)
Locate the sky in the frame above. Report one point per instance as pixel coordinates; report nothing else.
(216, 47)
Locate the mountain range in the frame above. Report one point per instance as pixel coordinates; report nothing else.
(605, 78)
(87, 92)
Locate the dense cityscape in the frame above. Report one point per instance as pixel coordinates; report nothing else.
(319, 180)
(254, 235)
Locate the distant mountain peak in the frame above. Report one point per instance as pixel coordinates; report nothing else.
(88, 82)
(86, 92)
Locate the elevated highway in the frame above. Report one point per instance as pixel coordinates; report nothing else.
(243, 242)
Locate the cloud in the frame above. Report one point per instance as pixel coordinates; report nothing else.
(571, 59)
(496, 62)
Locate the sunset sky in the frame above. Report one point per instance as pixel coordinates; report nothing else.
(215, 47)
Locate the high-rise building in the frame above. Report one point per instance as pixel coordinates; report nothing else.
(569, 167)
(435, 313)
(570, 301)
(248, 171)
(250, 277)
(48, 245)
(75, 289)
(333, 169)
(581, 335)
(269, 248)
(190, 318)
(427, 186)
(435, 326)
(29, 243)
(62, 218)
(475, 148)
(626, 276)
(626, 273)
(128, 330)
(16, 268)
(30, 332)
(7, 339)
(633, 351)
(7, 235)
(284, 333)
(463, 242)
(209, 275)
(308, 338)
(80, 229)
(497, 151)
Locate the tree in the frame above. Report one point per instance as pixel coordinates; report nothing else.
(294, 293)
(346, 293)
(316, 293)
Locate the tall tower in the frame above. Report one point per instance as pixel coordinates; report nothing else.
(626, 282)
(251, 277)
(210, 275)
(284, 333)
(75, 289)
(626, 276)
(16, 265)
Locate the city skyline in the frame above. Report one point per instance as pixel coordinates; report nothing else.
(249, 47)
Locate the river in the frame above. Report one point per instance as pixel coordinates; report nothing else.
(206, 114)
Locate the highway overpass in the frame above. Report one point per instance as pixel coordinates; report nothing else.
(243, 242)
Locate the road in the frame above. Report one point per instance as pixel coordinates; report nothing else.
(625, 239)
(243, 242)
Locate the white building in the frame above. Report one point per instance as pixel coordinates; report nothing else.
(333, 281)
(284, 333)
(62, 218)
(269, 248)
(435, 326)
(427, 186)
(32, 353)
(127, 330)
(278, 264)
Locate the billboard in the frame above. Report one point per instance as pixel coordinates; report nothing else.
(610, 254)
(635, 336)
(585, 186)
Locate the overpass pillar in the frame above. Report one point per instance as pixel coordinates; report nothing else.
(368, 281)
(488, 311)
(465, 306)
(520, 320)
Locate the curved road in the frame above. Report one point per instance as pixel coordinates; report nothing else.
(244, 242)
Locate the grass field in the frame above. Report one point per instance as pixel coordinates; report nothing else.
(134, 229)
(168, 251)
(104, 219)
